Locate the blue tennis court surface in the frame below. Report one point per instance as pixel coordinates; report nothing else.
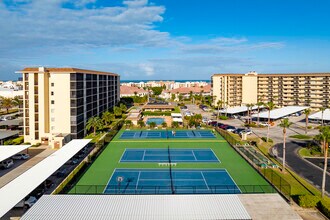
(167, 134)
(159, 181)
(162, 155)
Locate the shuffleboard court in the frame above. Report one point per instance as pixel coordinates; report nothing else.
(162, 155)
(167, 134)
(171, 181)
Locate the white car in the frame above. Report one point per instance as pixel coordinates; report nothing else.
(264, 124)
(27, 203)
(20, 156)
(247, 131)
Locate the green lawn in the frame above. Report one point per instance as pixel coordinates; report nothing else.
(101, 170)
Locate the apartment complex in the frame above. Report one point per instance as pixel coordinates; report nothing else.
(305, 89)
(57, 102)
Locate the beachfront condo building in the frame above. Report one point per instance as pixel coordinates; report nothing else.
(57, 102)
(304, 89)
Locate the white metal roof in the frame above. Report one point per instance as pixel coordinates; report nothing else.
(7, 134)
(24, 184)
(318, 115)
(7, 151)
(176, 114)
(281, 112)
(238, 109)
(177, 119)
(137, 207)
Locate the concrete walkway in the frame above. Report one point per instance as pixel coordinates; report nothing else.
(36, 157)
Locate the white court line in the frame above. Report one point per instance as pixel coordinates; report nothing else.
(144, 153)
(205, 181)
(170, 179)
(192, 151)
(108, 181)
(137, 183)
(216, 156)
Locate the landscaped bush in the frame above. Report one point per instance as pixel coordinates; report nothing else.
(309, 127)
(157, 113)
(301, 136)
(251, 125)
(324, 207)
(265, 139)
(223, 117)
(308, 201)
(15, 141)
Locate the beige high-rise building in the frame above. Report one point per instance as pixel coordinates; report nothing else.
(57, 102)
(305, 89)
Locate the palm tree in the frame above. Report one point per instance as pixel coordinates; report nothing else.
(117, 111)
(128, 123)
(322, 109)
(17, 101)
(190, 95)
(107, 118)
(141, 123)
(285, 123)
(152, 124)
(259, 104)
(123, 107)
(270, 106)
(94, 123)
(307, 112)
(219, 103)
(324, 138)
(248, 106)
(175, 124)
(6, 103)
(164, 124)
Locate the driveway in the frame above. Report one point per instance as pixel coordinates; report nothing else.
(308, 171)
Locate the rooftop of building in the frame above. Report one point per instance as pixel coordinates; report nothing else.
(62, 70)
(186, 90)
(127, 90)
(272, 74)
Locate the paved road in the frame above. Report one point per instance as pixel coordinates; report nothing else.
(300, 166)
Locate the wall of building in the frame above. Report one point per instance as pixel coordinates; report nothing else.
(249, 89)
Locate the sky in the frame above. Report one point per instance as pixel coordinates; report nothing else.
(165, 39)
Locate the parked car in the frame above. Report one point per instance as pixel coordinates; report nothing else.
(6, 164)
(27, 202)
(213, 123)
(264, 124)
(61, 172)
(238, 130)
(72, 161)
(20, 156)
(247, 131)
(183, 107)
(230, 128)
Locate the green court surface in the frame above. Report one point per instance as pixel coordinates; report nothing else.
(102, 169)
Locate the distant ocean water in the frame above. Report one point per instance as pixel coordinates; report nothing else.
(136, 81)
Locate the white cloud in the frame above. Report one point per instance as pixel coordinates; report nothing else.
(147, 68)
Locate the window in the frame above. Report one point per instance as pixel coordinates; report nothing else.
(52, 93)
(53, 128)
(52, 102)
(53, 119)
(52, 84)
(52, 110)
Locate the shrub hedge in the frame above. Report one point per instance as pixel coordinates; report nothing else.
(324, 207)
(15, 141)
(157, 113)
(308, 201)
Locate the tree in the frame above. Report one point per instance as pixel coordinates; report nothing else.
(135, 93)
(285, 124)
(141, 124)
(270, 106)
(107, 118)
(175, 124)
(6, 103)
(322, 109)
(191, 95)
(17, 101)
(157, 90)
(164, 124)
(128, 123)
(180, 97)
(117, 111)
(123, 107)
(259, 104)
(219, 104)
(324, 138)
(173, 96)
(248, 106)
(152, 124)
(94, 123)
(307, 113)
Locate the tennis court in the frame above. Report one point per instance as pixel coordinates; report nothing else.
(171, 181)
(164, 155)
(167, 134)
